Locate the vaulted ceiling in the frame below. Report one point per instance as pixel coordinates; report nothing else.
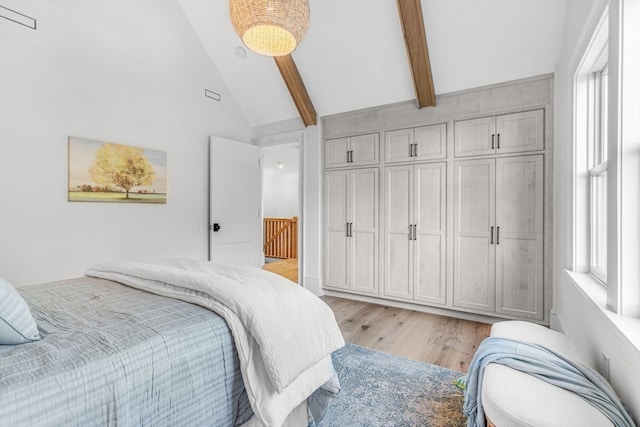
(354, 56)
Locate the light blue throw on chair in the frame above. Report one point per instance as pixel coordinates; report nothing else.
(547, 366)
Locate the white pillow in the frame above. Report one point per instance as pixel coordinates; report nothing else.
(16, 323)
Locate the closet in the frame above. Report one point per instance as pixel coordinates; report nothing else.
(444, 209)
(415, 232)
(351, 229)
(498, 235)
(360, 150)
(415, 145)
(506, 133)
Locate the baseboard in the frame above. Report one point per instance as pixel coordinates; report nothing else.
(417, 307)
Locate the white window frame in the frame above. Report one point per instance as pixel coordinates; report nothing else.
(623, 272)
(619, 31)
(598, 166)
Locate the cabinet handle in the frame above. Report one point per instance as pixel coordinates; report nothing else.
(493, 138)
(410, 150)
(410, 232)
(497, 235)
(349, 225)
(415, 232)
(349, 156)
(415, 150)
(498, 141)
(492, 235)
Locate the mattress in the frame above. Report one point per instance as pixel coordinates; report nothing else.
(113, 355)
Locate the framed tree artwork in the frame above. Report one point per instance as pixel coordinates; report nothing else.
(109, 172)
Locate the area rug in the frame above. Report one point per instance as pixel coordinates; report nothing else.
(378, 389)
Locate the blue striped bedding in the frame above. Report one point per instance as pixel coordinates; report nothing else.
(112, 355)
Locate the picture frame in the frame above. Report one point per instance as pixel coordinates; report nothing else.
(109, 172)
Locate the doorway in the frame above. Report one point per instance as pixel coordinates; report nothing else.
(281, 208)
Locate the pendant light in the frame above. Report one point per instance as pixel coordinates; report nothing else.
(270, 27)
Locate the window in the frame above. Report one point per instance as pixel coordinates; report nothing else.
(606, 136)
(598, 163)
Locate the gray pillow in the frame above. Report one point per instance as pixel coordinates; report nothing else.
(16, 323)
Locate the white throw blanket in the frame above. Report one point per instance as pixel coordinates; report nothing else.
(279, 328)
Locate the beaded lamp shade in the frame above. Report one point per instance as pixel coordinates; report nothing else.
(270, 27)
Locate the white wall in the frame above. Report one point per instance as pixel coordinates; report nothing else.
(280, 185)
(280, 194)
(580, 311)
(312, 209)
(132, 72)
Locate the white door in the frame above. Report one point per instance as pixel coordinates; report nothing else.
(336, 153)
(520, 132)
(336, 199)
(365, 149)
(235, 219)
(431, 142)
(519, 236)
(398, 146)
(398, 205)
(474, 234)
(363, 231)
(474, 137)
(429, 245)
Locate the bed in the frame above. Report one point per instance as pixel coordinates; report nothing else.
(110, 354)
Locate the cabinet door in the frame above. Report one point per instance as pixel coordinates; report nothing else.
(398, 146)
(335, 247)
(520, 132)
(519, 243)
(429, 246)
(474, 250)
(365, 149)
(431, 142)
(363, 261)
(474, 137)
(336, 153)
(398, 196)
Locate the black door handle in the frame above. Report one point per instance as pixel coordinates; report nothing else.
(216, 227)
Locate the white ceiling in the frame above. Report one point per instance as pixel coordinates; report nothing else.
(353, 55)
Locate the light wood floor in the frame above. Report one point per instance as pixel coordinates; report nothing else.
(287, 268)
(439, 340)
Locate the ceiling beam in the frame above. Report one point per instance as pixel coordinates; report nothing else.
(416, 41)
(296, 87)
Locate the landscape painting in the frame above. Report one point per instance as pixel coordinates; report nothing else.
(109, 172)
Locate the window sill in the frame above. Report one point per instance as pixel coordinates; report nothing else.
(625, 327)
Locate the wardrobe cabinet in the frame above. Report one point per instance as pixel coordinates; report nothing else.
(362, 150)
(441, 216)
(415, 145)
(503, 134)
(415, 232)
(351, 230)
(498, 235)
